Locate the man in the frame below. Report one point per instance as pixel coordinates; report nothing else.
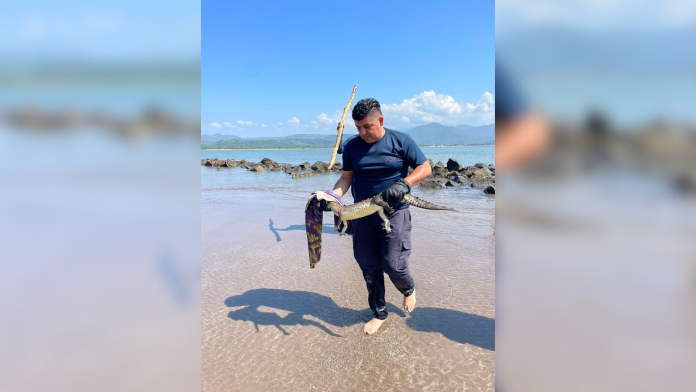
(377, 162)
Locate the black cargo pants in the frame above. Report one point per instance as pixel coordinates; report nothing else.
(379, 252)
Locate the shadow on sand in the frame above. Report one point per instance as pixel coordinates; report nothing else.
(326, 229)
(457, 326)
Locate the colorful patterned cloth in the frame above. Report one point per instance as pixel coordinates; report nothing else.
(314, 222)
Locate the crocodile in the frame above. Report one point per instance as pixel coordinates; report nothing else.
(376, 204)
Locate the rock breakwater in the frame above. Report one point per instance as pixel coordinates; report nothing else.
(449, 175)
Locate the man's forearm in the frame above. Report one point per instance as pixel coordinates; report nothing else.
(341, 187)
(419, 174)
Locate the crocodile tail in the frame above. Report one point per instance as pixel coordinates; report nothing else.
(420, 203)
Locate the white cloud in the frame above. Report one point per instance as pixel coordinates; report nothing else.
(247, 123)
(264, 125)
(215, 125)
(294, 121)
(230, 125)
(429, 106)
(280, 123)
(326, 119)
(314, 124)
(335, 118)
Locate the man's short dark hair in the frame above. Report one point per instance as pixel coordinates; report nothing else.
(363, 108)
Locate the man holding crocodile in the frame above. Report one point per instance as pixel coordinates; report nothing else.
(375, 163)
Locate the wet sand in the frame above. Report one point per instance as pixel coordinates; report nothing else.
(271, 323)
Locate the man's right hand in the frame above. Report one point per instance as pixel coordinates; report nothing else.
(395, 193)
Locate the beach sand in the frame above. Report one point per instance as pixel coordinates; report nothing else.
(271, 323)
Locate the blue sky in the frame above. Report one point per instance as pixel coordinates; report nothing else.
(285, 67)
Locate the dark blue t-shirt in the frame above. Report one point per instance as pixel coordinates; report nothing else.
(376, 166)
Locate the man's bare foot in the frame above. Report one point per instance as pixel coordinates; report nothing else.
(373, 326)
(410, 302)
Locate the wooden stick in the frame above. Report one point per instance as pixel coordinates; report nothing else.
(340, 127)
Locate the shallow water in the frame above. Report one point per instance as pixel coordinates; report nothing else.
(466, 155)
(269, 322)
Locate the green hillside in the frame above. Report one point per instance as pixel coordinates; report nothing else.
(294, 141)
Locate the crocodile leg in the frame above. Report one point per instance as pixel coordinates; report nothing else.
(378, 201)
(345, 227)
(387, 225)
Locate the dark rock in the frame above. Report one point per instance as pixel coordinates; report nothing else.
(246, 164)
(268, 164)
(338, 165)
(258, 168)
(203, 161)
(481, 173)
(432, 165)
(208, 162)
(453, 165)
(481, 183)
(439, 171)
(480, 165)
(467, 170)
(220, 163)
(454, 183)
(475, 172)
(303, 175)
(305, 166)
(490, 190)
(320, 166)
(232, 163)
(275, 169)
(439, 164)
(433, 183)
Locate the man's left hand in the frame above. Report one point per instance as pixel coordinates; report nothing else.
(396, 192)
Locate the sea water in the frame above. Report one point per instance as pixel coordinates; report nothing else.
(465, 155)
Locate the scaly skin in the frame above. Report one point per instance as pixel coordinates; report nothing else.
(376, 204)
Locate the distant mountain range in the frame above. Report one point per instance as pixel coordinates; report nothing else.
(217, 137)
(425, 135)
(292, 141)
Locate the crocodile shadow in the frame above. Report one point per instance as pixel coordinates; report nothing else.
(457, 326)
(299, 304)
(326, 229)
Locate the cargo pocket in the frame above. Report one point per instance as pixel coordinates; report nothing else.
(404, 255)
